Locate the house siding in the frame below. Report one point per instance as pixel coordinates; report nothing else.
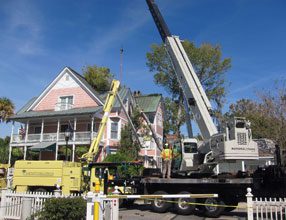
(80, 99)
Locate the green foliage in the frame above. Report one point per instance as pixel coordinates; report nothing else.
(4, 150)
(124, 170)
(63, 209)
(17, 154)
(172, 122)
(117, 158)
(80, 150)
(210, 68)
(98, 77)
(128, 143)
(6, 109)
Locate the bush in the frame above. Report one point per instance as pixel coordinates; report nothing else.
(123, 171)
(63, 209)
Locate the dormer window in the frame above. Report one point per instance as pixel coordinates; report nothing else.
(65, 103)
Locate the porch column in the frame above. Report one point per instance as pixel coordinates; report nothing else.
(57, 145)
(11, 140)
(26, 140)
(91, 128)
(42, 130)
(73, 146)
(242, 166)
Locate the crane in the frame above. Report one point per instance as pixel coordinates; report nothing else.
(235, 142)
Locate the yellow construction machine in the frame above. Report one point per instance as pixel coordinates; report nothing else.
(3, 175)
(69, 176)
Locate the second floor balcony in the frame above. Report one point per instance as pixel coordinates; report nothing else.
(77, 137)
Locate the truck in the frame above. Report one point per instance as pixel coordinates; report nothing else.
(194, 172)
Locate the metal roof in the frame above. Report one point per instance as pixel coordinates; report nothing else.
(43, 145)
(149, 103)
(42, 114)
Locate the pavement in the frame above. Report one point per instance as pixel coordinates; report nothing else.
(140, 211)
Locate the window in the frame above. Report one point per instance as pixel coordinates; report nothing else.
(64, 128)
(66, 102)
(114, 130)
(159, 118)
(95, 126)
(38, 130)
(190, 147)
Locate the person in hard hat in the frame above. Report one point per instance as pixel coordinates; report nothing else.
(167, 156)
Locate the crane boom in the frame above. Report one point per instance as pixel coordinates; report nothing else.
(188, 80)
(235, 143)
(110, 99)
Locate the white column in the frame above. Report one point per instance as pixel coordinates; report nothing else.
(26, 132)
(42, 130)
(11, 140)
(26, 140)
(242, 166)
(57, 145)
(217, 169)
(91, 129)
(249, 204)
(73, 146)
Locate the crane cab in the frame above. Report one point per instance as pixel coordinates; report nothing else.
(185, 154)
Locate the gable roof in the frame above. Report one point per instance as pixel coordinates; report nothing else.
(123, 93)
(77, 77)
(149, 103)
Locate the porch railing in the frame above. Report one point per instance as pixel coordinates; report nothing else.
(48, 137)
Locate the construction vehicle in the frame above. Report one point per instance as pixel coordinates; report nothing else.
(235, 142)
(3, 175)
(69, 176)
(194, 172)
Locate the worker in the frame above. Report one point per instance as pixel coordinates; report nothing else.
(167, 155)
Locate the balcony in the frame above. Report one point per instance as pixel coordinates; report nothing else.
(79, 137)
(63, 106)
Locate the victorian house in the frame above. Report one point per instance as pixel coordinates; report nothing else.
(68, 113)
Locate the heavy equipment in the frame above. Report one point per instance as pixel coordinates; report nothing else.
(3, 175)
(194, 170)
(235, 142)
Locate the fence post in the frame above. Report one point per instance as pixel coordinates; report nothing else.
(3, 203)
(26, 208)
(89, 206)
(249, 204)
(58, 192)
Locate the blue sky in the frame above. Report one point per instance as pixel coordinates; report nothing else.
(39, 38)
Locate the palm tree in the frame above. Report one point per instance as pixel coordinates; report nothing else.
(6, 109)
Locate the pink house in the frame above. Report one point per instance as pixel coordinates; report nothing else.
(70, 103)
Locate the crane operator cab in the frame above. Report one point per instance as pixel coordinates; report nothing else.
(185, 155)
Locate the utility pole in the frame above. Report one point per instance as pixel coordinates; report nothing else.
(121, 64)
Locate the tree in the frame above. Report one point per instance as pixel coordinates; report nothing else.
(4, 149)
(98, 77)
(172, 122)
(208, 63)
(267, 115)
(128, 145)
(6, 109)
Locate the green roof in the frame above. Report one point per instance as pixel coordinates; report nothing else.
(74, 111)
(149, 103)
(26, 106)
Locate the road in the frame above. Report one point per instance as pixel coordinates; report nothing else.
(140, 211)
